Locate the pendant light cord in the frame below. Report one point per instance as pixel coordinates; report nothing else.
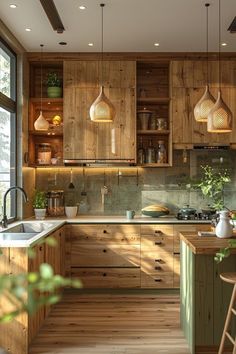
(219, 45)
(102, 6)
(41, 82)
(207, 40)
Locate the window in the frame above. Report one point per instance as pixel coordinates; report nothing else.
(7, 126)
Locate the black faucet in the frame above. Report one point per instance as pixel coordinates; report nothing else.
(4, 216)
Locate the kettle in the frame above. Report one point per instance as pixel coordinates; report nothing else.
(224, 229)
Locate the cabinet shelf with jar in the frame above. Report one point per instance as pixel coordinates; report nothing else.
(52, 107)
(154, 130)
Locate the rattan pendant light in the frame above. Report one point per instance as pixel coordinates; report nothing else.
(207, 101)
(220, 117)
(41, 123)
(102, 110)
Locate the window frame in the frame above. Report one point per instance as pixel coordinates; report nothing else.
(10, 105)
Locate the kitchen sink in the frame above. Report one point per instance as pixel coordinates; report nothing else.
(30, 227)
(25, 230)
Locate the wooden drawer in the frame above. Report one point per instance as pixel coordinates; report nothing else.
(105, 234)
(152, 262)
(156, 281)
(158, 242)
(88, 255)
(152, 230)
(108, 277)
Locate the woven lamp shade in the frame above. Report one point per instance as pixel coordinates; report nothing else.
(220, 117)
(204, 105)
(102, 110)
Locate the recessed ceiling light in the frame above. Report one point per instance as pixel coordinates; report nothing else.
(13, 6)
(224, 44)
(28, 29)
(156, 44)
(82, 7)
(90, 44)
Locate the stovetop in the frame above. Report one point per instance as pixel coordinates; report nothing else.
(196, 216)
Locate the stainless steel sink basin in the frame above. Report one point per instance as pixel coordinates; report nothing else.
(10, 236)
(30, 227)
(25, 230)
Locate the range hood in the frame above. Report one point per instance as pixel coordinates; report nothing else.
(211, 147)
(99, 162)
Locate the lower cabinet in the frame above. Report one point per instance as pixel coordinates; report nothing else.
(125, 256)
(105, 256)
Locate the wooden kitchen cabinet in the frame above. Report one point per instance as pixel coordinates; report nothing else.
(105, 255)
(51, 107)
(88, 141)
(157, 256)
(188, 84)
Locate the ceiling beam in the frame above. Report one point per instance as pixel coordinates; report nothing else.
(53, 15)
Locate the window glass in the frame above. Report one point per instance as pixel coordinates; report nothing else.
(7, 128)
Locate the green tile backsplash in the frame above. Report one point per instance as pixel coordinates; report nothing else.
(134, 188)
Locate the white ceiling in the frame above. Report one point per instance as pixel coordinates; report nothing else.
(129, 25)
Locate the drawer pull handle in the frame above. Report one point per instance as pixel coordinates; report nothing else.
(40, 248)
(104, 251)
(104, 274)
(158, 260)
(105, 231)
(158, 232)
(176, 253)
(158, 268)
(158, 243)
(158, 280)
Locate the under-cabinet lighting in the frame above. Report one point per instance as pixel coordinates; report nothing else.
(28, 29)
(224, 44)
(90, 44)
(13, 6)
(156, 44)
(82, 7)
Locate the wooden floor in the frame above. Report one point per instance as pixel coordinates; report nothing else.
(112, 324)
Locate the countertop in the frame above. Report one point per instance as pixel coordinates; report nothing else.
(56, 222)
(204, 245)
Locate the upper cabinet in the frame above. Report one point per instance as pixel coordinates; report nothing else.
(85, 140)
(187, 85)
(154, 126)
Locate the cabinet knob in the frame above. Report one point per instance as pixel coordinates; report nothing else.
(176, 253)
(158, 280)
(40, 248)
(158, 243)
(105, 231)
(104, 274)
(104, 251)
(158, 232)
(158, 268)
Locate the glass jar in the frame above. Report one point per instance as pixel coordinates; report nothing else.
(141, 153)
(151, 153)
(152, 122)
(161, 152)
(161, 124)
(55, 202)
(44, 154)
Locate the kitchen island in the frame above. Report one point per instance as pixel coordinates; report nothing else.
(204, 297)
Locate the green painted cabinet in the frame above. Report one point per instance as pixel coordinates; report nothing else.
(204, 299)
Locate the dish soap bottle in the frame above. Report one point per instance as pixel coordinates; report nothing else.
(224, 229)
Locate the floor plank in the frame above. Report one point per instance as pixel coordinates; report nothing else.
(112, 324)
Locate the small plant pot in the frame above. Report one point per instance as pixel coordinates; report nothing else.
(54, 92)
(40, 214)
(71, 211)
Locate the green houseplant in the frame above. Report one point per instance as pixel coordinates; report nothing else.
(212, 186)
(40, 204)
(54, 85)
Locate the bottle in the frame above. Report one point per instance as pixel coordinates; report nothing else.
(151, 153)
(224, 229)
(161, 152)
(141, 153)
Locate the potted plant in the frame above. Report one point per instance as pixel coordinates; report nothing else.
(40, 204)
(212, 186)
(54, 84)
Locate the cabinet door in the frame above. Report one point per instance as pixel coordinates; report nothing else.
(84, 139)
(37, 319)
(188, 85)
